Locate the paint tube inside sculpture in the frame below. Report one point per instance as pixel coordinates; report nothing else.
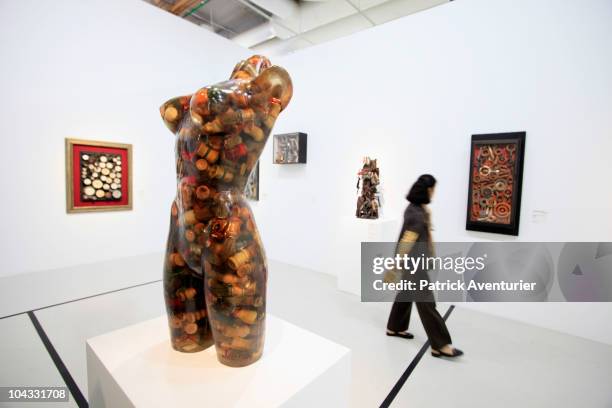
(215, 271)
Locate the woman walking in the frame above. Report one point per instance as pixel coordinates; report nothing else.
(415, 240)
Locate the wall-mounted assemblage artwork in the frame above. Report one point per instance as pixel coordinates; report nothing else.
(251, 191)
(368, 201)
(290, 148)
(215, 271)
(496, 176)
(98, 176)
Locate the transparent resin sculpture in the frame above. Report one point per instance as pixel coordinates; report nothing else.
(215, 269)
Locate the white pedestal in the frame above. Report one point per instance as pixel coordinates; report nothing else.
(136, 366)
(347, 259)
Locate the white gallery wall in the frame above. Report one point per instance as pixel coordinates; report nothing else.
(96, 69)
(411, 93)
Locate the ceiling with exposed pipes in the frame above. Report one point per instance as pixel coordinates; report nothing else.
(278, 27)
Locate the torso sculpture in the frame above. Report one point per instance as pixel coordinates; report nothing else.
(215, 270)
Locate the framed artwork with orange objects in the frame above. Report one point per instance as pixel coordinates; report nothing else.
(496, 180)
(98, 176)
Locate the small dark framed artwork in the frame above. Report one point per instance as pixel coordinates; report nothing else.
(290, 148)
(496, 181)
(251, 190)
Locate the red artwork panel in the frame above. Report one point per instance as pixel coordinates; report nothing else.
(98, 176)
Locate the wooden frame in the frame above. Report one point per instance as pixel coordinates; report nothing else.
(496, 182)
(79, 203)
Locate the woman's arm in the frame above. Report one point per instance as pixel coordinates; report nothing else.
(406, 242)
(404, 245)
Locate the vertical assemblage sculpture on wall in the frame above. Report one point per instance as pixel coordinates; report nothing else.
(368, 201)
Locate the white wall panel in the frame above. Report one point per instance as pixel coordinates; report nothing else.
(96, 69)
(411, 92)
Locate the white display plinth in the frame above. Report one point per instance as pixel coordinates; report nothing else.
(136, 366)
(347, 259)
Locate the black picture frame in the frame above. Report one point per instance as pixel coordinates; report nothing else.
(482, 216)
(281, 156)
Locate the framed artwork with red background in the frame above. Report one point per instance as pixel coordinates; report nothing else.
(98, 176)
(496, 180)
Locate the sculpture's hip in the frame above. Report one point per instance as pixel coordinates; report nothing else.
(235, 282)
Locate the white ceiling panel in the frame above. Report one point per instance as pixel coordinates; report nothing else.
(279, 47)
(337, 29)
(366, 4)
(395, 9)
(280, 8)
(257, 35)
(317, 14)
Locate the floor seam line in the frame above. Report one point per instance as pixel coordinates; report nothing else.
(76, 393)
(410, 369)
(13, 315)
(82, 298)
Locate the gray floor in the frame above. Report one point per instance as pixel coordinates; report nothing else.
(508, 364)
(512, 365)
(24, 360)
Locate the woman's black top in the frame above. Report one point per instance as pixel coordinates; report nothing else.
(416, 219)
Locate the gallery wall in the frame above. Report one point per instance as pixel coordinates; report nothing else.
(96, 69)
(411, 92)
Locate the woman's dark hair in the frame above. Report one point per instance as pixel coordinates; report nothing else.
(418, 193)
